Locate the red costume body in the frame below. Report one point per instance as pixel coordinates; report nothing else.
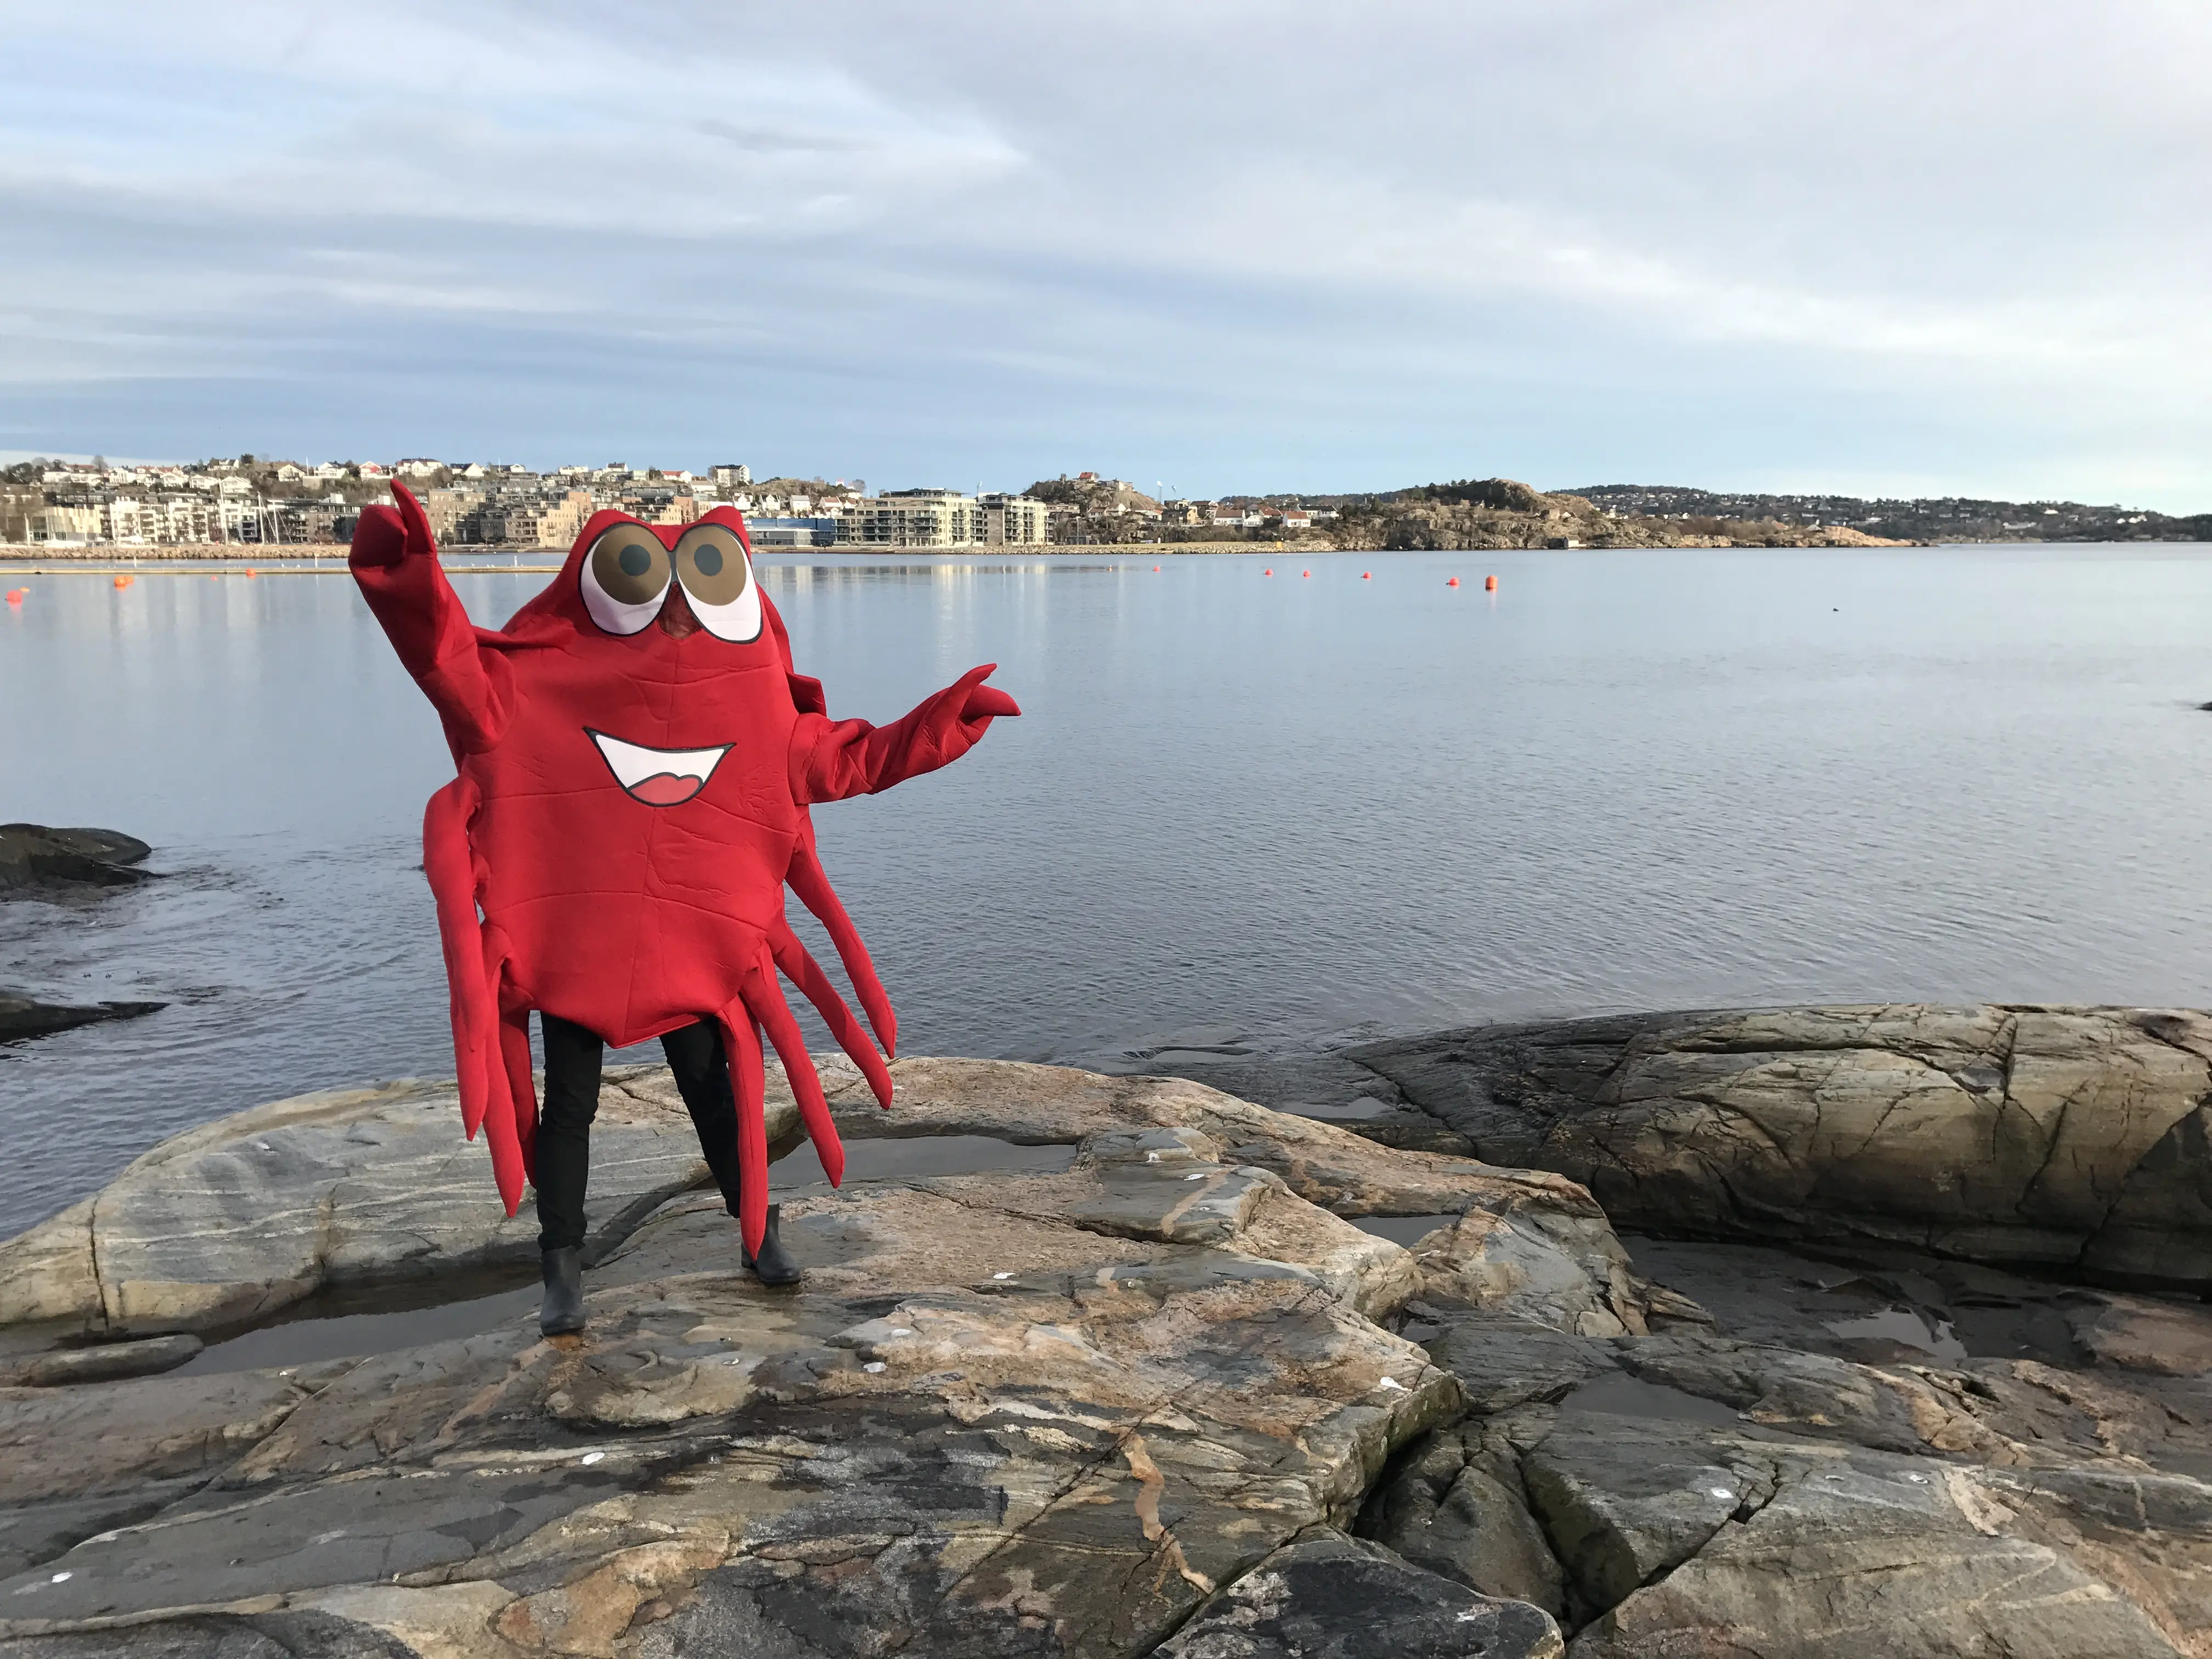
(632, 799)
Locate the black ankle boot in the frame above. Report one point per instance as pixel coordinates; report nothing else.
(563, 1310)
(773, 1264)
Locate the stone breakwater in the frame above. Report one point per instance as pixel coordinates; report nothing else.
(1144, 1367)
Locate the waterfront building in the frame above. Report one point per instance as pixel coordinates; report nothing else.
(912, 518)
(65, 524)
(941, 518)
(449, 512)
(1011, 520)
(791, 532)
(730, 475)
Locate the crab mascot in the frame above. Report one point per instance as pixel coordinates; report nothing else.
(635, 757)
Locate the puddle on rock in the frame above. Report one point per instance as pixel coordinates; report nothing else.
(1622, 1395)
(1401, 1228)
(918, 1156)
(1907, 1308)
(309, 1340)
(1359, 1109)
(1934, 1337)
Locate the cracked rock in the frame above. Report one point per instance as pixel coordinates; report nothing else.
(1331, 1597)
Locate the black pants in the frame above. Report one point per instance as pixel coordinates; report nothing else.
(572, 1099)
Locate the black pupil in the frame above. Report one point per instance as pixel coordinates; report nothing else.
(709, 561)
(633, 560)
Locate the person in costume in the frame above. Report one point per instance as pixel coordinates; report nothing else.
(635, 754)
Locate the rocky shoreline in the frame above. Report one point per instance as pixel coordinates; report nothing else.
(1900, 1349)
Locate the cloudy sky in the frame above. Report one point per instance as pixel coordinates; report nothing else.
(1947, 245)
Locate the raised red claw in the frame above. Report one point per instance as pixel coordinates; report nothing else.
(633, 905)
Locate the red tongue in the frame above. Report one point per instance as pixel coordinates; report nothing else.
(667, 789)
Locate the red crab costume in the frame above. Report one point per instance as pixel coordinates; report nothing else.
(636, 756)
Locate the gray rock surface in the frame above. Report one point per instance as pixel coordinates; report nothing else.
(1009, 1412)
(1127, 1398)
(1328, 1597)
(228, 1224)
(105, 1362)
(1735, 1484)
(2055, 1138)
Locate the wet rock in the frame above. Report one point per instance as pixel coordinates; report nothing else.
(1991, 1504)
(1167, 1184)
(35, 858)
(1860, 1553)
(919, 1444)
(1503, 1361)
(2020, 1136)
(226, 1223)
(1332, 1597)
(24, 1016)
(1306, 1079)
(1327, 1165)
(1566, 1270)
(77, 1462)
(105, 1362)
(2136, 1333)
(1128, 1398)
(1457, 1506)
(1623, 1501)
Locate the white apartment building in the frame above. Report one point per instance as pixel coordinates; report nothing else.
(942, 518)
(911, 518)
(163, 519)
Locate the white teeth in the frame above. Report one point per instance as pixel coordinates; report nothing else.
(632, 764)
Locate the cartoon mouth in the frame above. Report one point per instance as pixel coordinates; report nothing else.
(658, 777)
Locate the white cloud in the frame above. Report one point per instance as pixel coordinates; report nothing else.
(1966, 240)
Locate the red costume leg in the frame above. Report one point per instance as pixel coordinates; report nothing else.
(446, 864)
(811, 883)
(765, 997)
(749, 1087)
(511, 1131)
(802, 971)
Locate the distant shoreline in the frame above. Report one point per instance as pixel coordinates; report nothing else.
(331, 559)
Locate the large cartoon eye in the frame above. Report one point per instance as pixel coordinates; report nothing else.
(718, 579)
(625, 577)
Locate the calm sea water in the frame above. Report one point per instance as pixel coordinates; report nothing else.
(1235, 802)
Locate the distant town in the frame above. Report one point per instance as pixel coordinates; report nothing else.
(250, 501)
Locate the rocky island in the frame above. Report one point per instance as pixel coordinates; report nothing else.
(1827, 1332)
(38, 862)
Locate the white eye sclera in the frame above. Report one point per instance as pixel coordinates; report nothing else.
(718, 582)
(625, 579)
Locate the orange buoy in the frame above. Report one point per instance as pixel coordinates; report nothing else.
(251, 571)
(123, 581)
(1156, 566)
(1366, 575)
(15, 596)
(1451, 581)
(1490, 584)
(1305, 573)
(1269, 571)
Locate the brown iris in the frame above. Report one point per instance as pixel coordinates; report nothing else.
(630, 565)
(710, 563)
